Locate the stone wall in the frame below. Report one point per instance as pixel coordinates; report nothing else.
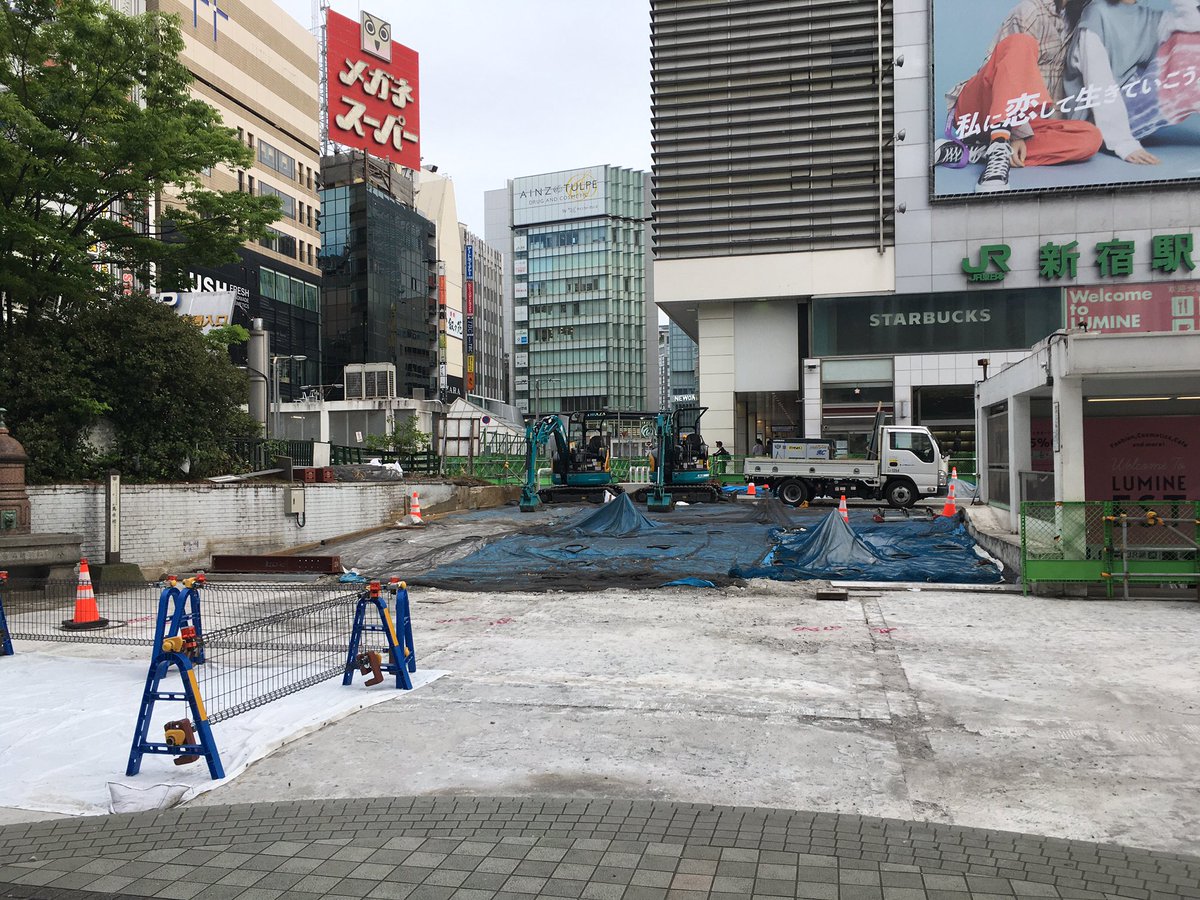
(182, 526)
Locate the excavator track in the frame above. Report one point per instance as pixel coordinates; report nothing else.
(689, 493)
(578, 493)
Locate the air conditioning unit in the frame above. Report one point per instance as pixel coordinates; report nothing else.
(370, 381)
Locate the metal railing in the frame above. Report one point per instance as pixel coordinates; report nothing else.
(424, 462)
(258, 454)
(260, 642)
(1037, 486)
(1108, 542)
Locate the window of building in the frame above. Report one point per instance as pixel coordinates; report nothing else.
(289, 202)
(281, 243)
(276, 159)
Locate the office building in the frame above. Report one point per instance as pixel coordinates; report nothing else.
(809, 237)
(258, 67)
(380, 266)
(574, 244)
(483, 311)
(435, 201)
(682, 368)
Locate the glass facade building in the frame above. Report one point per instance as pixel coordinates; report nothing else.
(578, 269)
(379, 266)
(683, 363)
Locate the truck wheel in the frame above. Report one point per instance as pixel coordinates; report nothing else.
(901, 494)
(793, 492)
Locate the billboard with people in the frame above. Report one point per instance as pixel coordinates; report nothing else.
(1034, 95)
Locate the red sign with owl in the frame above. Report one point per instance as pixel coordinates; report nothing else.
(373, 89)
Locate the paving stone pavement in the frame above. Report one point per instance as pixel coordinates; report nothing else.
(449, 848)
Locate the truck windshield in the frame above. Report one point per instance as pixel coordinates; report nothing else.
(918, 443)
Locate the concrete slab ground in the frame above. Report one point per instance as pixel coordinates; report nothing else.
(645, 744)
(1077, 720)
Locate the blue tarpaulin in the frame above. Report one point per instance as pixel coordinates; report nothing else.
(931, 550)
(618, 516)
(617, 545)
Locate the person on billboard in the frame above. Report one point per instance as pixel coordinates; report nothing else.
(1121, 71)
(1006, 116)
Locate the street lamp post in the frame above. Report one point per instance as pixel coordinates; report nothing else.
(275, 378)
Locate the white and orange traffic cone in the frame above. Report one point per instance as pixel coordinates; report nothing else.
(950, 508)
(415, 509)
(751, 491)
(843, 511)
(87, 613)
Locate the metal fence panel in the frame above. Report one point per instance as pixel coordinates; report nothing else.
(1107, 542)
(258, 454)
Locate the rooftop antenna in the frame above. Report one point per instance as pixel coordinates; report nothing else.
(320, 19)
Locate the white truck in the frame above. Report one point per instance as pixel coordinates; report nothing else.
(904, 464)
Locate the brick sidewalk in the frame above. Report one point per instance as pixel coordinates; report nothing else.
(439, 848)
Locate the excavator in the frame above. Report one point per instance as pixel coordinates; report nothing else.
(679, 462)
(579, 460)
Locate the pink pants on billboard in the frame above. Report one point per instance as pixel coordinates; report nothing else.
(1012, 71)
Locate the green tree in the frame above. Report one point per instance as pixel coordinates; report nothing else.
(406, 438)
(127, 384)
(100, 159)
(102, 151)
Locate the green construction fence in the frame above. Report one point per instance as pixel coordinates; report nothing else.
(1110, 543)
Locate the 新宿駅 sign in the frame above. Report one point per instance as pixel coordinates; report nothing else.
(1058, 260)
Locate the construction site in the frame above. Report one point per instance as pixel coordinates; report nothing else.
(850, 658)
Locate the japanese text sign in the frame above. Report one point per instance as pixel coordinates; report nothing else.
(1064, 260)
(373, 90)
(205, 310)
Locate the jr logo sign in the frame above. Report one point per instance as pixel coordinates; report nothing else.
(992, 265)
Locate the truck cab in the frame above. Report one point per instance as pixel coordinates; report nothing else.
(911, 465)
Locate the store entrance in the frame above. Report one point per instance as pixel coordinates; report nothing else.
(774, 415)
(948, 411)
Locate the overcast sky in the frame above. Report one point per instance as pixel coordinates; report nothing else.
(522, 87)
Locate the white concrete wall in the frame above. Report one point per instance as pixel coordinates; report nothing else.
(766, 345)
(767, 275)
(182, 526)
(717, 367)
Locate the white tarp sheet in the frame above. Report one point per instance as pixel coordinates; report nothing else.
(66, 726)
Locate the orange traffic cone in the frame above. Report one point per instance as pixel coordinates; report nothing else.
(415, 509)
(750, 490)
(87, 614)
(950, 508)
(843, 511)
